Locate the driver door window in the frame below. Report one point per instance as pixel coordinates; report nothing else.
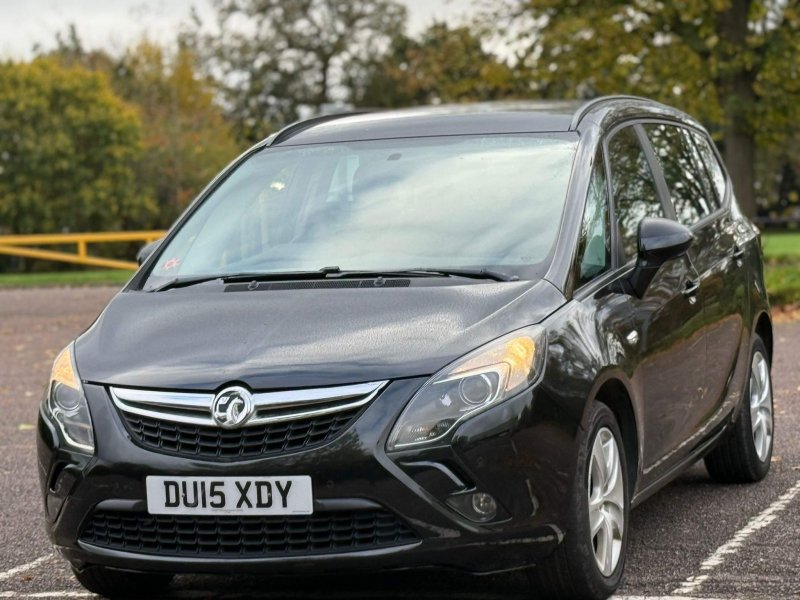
(633, 188)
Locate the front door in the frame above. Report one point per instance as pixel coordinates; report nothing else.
(666, 324)
(713, 254)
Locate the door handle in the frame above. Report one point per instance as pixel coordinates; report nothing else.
(690, 290)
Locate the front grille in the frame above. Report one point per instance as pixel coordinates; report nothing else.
(185, 424)
(249, 442)
(246, 537)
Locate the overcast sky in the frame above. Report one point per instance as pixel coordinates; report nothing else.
(114, 23)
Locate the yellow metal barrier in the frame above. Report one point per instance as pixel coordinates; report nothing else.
(20, 245)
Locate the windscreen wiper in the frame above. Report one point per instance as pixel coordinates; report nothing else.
(336, 272)
(469, 273)
(475, 274)
(179, 282)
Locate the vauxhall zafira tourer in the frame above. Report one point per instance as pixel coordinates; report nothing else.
(468, 337)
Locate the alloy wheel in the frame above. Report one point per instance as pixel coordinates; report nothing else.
(606, 501)
(761, 406)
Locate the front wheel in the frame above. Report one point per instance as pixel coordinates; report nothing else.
(744, 455)
(590, 560)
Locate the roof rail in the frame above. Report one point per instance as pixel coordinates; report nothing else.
(590, 104)
(299, 126)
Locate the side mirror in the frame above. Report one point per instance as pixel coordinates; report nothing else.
(145, 251)
(659, 240)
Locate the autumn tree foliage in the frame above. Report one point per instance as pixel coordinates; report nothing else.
(68, 146)
(278, 60)
(733, 63)
(185, 137)
(441, 65)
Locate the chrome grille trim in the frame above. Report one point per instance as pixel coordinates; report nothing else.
(269, 407)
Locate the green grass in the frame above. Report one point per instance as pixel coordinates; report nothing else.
(782, 246)
(782, 268)
(783, 284)
(64, 278)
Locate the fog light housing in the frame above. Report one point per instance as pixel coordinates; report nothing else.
(484, 505)
(476, 506)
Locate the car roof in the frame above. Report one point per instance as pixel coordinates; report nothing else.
(474, 118)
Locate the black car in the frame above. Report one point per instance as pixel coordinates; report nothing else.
(465, 337)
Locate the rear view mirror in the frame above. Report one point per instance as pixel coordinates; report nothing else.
(146, 251)
(659, 241)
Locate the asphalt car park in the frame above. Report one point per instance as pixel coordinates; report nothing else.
(695, 539)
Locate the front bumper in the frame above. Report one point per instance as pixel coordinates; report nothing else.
(522, 452)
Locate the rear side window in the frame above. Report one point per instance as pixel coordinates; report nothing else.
(691, 196)
(632, 187)
(712, 165)
(594, 249)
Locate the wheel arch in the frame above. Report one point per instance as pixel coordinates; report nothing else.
(612, 390)
(764, 330)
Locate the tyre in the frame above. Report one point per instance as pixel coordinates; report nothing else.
(112, 583)
(589, 562)
(744, 455)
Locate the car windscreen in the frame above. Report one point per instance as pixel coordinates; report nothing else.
(469, 201)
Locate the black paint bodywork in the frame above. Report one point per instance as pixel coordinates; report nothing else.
(674, 391)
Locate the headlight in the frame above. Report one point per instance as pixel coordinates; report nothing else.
(66, 404)
(472, 384)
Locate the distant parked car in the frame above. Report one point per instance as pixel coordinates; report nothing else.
(468, 337)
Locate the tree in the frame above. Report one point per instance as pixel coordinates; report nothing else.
(185, 139)
(67, 145)
(735, 63)
(442, 65)
(275, 59)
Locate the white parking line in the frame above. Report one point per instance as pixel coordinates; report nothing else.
(26, 567)
(658, 598)
(764, 518)
(60, 594)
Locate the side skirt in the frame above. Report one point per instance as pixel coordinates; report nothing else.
(701, 450)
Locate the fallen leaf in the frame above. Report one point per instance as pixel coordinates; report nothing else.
(785, 314)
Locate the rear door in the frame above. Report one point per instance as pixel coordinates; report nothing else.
(728, 298)
(713, 254)
(665, 339)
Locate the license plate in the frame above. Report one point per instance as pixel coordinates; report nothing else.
(229, 495)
